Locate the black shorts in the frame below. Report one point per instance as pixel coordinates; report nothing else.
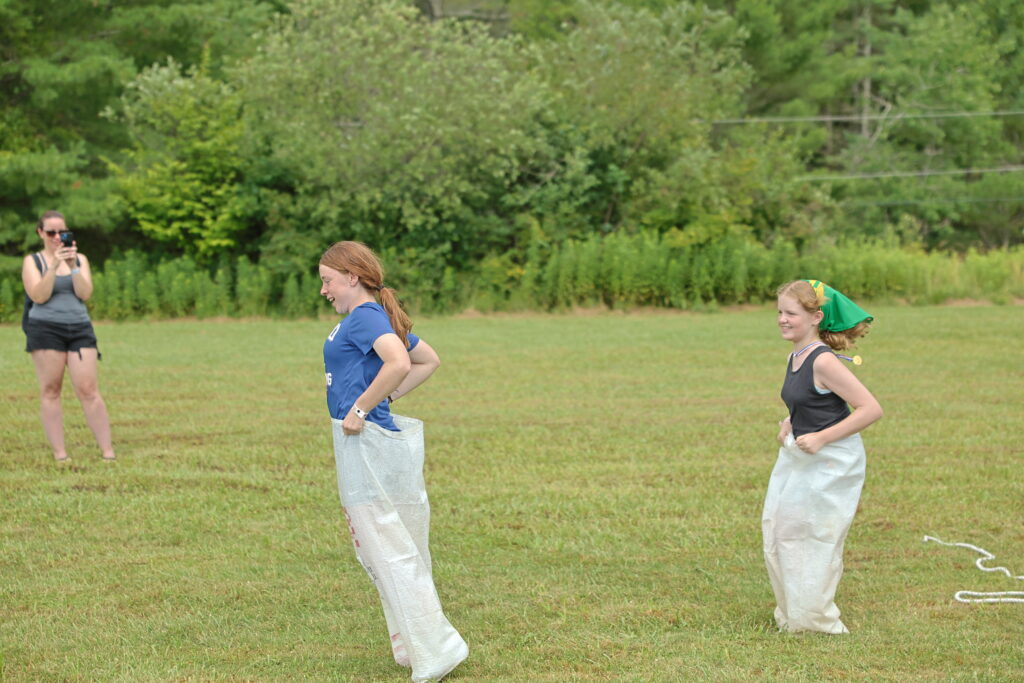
(43, 334)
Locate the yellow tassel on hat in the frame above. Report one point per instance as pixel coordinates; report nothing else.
(819, 290)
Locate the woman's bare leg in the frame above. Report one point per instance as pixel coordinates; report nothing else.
(82, 366)
(50, 373)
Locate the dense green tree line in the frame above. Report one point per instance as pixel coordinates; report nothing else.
(453, 136)
(63, 65)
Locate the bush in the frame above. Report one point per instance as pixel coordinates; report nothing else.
(615, 270)
(11, 301)
(252, 289)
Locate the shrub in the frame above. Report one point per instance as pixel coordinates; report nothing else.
(616, 270)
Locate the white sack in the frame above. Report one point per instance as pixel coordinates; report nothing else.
(808, 510)
(380, 479)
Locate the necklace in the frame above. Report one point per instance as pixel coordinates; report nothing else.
(813, 343)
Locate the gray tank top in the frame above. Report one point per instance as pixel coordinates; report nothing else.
(63, 306)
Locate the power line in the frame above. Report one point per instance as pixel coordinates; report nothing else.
(912, 174)
(832, 118)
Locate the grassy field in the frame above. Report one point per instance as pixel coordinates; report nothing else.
(596, 484)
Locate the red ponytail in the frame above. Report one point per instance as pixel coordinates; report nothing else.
(359, 259)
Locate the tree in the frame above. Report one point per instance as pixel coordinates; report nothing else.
(881, 64)
(939, 62)
(389, 128)
(182, 183)
(61, 64)
(636, 92)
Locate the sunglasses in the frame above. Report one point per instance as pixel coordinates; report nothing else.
(51, 233)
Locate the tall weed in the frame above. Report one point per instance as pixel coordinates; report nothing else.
(618, 270)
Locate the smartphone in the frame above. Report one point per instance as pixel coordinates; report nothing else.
(67, 238)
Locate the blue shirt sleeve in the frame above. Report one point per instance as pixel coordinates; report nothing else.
(368, 325)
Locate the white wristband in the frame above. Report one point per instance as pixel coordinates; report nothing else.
(361, 414)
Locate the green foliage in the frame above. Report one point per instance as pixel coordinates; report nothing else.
(399, 131)
(32, 182)
(135, 286)
(488, 160)
(420, 276)
(252, 288)
(215, 298)
(893, 61)
(617, 271)
(423, 134)
(937, 61)
(540, 19)
(181, 184)
(624, 271)
(11, 300)
(610, 153)
(293, 304)
(499, 275)
(64, 63)
(655, 59)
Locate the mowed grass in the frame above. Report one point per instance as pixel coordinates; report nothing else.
(596, 485)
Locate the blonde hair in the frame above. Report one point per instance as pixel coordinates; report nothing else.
(359, 259)
(804, 294)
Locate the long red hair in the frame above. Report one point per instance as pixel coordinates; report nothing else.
(359, 259)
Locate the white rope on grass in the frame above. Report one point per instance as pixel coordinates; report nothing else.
(976, 596)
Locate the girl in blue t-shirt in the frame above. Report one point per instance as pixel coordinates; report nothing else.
(371, 359)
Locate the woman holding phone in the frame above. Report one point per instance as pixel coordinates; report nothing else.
(59, 333)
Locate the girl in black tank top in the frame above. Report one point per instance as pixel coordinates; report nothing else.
(810, 408)
(817, 396)
(815, 485)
